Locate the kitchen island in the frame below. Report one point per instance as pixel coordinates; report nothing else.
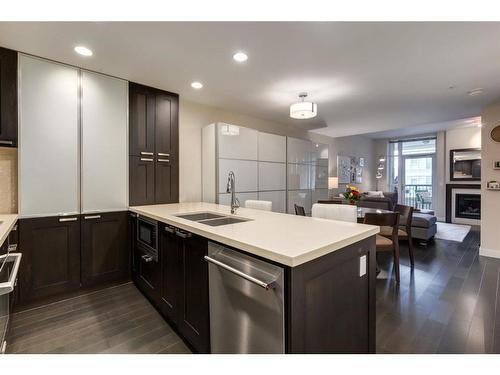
(328, 289)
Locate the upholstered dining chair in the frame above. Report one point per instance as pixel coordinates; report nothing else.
(342, 212)
(388, 219)
(299, 210)
(259, 205)
(404, 232)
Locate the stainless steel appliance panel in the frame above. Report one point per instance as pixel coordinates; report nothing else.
(246, 303)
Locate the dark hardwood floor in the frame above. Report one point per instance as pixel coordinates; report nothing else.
(448, 304)
(113, 320)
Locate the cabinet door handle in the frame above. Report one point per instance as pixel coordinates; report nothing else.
(164, 160)
(65, 219)
(182, 234)
(147, 258)
(170, 229)
(92, 217)
(147, 153)
(146, 159)
(10, 143)
(163, 154)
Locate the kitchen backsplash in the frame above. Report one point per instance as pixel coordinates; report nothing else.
(8, 180)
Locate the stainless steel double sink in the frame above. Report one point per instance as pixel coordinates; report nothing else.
(212, 219)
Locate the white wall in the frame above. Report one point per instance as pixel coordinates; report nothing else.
(490, 200)
(357, 146)
(193, 117)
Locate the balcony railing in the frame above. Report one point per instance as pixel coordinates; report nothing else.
(418, 196)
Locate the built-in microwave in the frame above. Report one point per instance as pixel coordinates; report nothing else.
(147, 236)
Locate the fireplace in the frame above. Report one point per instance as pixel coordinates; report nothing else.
(468, 206)
(463, 204)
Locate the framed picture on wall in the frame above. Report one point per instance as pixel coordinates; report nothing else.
(344, 169)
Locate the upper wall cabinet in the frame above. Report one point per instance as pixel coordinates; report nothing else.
(8, 97)
(299, 151)
(154, 145)
(272, 147)
(48, 138)
(104, 143)
(236, 142)
(142, 103)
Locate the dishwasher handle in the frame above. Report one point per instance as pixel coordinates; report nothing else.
(262, 284)
(8, 286)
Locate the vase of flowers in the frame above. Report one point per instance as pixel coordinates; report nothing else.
(352, 194)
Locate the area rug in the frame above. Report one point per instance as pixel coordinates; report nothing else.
(452, 232)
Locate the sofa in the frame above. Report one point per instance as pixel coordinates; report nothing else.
(385, 202)
(423, 226)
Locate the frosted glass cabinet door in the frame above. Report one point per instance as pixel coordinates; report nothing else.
(225, 199)
(48, 138)
(277, 197)
(299, 150)
(300, 198)
(272, 147)
(272, 176)
(319, 154)
(299, 176)
(104, 143)
(245, 172)
(236, 142)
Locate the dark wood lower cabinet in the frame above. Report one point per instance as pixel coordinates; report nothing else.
(178, 284)
(171, 272)
(194, 318)
(105, 255)
(331, 308)
(51, 257)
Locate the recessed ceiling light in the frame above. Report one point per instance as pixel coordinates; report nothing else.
(475, 92)
(84, 51)
(240, 57)
(196, 85)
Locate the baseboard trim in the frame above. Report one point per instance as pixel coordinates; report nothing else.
(489, 252)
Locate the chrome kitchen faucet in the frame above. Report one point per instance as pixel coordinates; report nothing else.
(231, 188)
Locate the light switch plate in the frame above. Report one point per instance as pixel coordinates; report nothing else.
(362, 266)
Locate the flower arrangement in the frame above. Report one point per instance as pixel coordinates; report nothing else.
(352, 194)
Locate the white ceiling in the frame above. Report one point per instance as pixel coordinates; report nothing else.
(365, 77)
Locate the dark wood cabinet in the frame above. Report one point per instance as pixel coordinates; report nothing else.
(194, 318)
(142, 102)
(51, 256)
(105, 256)
(154, 139)
(170, 276)
(8, 97)
(141, 180)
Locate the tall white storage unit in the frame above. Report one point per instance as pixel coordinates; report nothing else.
(104, 143)
(73, 139)
(307, 173)
(49, 162)
(257, 160)
(272, 169)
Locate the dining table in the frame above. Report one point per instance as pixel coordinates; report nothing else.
(362, 211)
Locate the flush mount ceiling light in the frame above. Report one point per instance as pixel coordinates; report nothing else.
(475, 92)
(303, 110)
(240, 57)
(196, 85)
(84, 51)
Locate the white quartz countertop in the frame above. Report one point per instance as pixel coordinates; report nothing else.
(287, 239)
(6, 224)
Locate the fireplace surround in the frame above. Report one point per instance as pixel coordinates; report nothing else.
(463, 203)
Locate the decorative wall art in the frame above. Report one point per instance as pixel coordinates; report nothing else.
(350, 169)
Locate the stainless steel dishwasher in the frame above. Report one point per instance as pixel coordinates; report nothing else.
(246, 303)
